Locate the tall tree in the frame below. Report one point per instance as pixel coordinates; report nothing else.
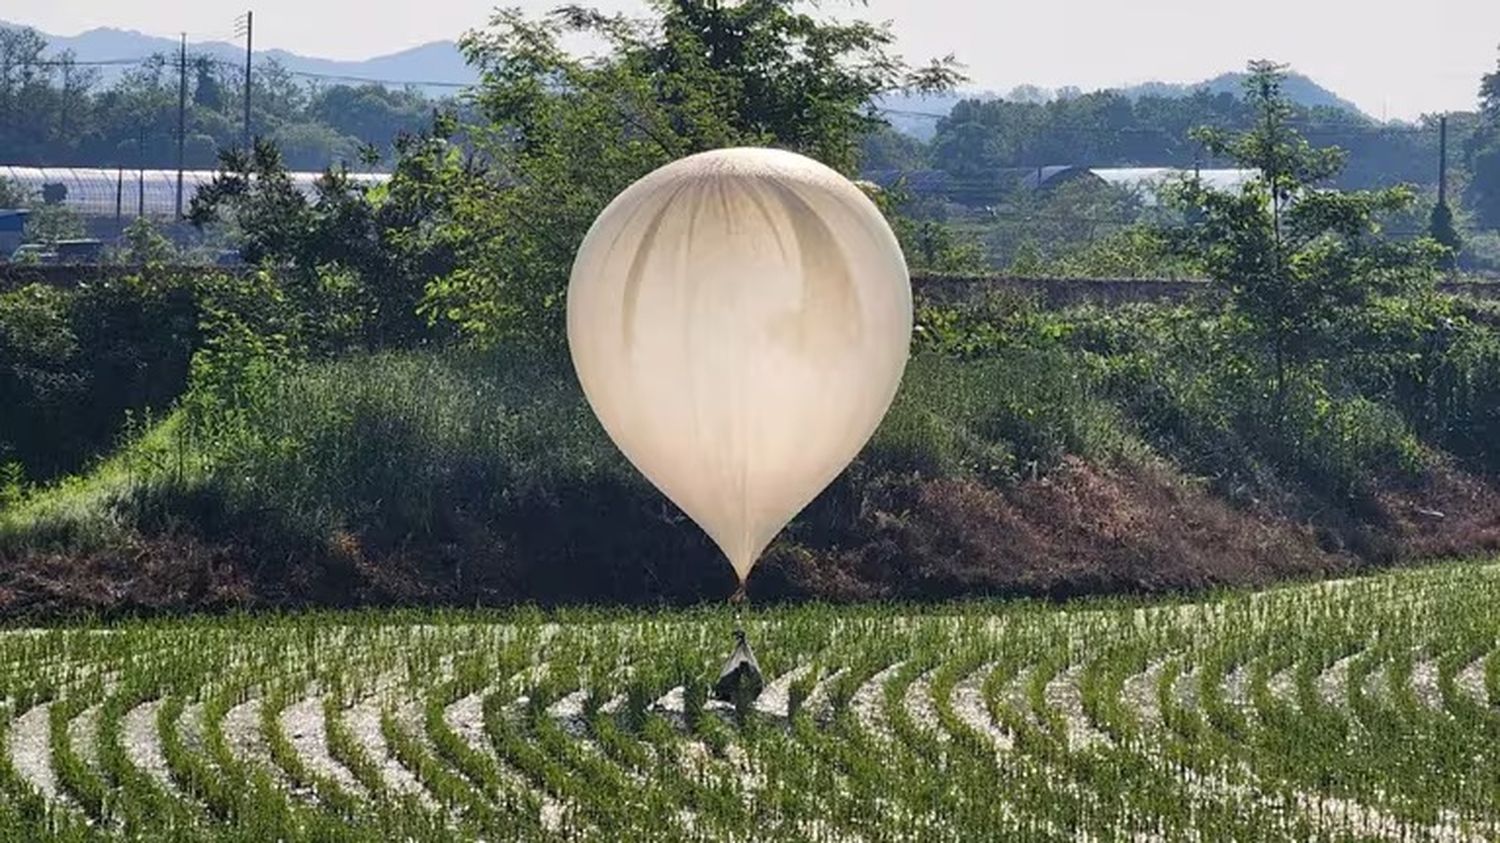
(564, 134)
(1489, 94)
(1483, 193)
(207, 92)
(1441, 228)
(1298, 262)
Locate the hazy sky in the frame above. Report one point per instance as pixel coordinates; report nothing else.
(1393, 58)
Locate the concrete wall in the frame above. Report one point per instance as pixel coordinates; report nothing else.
(1055, 292)
(1062, 292)
(1058, 292)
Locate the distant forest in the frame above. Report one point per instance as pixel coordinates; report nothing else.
(56, 111)
(979, 137)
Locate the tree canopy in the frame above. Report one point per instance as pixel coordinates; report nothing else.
(562, 134)
(1298, 262)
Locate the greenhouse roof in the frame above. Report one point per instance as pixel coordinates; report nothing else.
(1146, 181)
(97, 191)
(1152, 178)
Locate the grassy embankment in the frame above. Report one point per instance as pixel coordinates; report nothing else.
(1033, 452)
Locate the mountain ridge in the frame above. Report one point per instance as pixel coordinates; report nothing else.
(917, 115)
(438, 67)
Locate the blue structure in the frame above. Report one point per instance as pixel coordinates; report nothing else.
(12, 231)
(13, 222)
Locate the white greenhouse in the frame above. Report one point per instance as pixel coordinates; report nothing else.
(1147, 181)
(105, 192)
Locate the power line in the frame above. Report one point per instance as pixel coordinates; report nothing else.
(418, 83)
(90, 62)
(1302, 127)
(370, 80)
(212, 59)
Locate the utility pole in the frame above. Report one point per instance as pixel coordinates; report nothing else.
(62, 108)
(1443, 160)
(181, 116)
(249, 29)
(140, 170)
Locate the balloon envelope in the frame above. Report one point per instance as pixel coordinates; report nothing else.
(739, 321)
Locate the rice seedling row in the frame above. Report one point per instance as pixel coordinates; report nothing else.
(1357, 710)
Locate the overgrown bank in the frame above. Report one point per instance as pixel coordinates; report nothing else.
(383, 411)
(1029, 452)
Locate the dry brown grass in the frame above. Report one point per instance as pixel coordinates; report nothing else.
(1084, 529)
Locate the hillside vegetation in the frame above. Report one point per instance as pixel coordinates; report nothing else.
(383, 411)
(1073, 452)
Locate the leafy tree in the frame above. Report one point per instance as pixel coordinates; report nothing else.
(563, 134)
(1489, 95)
(981, 139)
(274, 92)
(932, 246)
(1298, 263)
(26, 89)
(1029, 231)
(1483, 192)
(145, 245)
(372, 113)
(1100, 128)
(255, 191)
(50, 222)
(352, 258)
(1442, 230)
(887, 149)
(53, 110)
(208, 93)
(308, 145)
(13, 195)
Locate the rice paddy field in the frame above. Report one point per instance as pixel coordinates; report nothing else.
(1354, 710)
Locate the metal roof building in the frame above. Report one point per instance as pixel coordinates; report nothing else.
(1150, 180)
(1048, 177)
(97, 192)
(1147, 180)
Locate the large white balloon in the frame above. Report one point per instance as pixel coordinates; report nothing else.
(740, 321)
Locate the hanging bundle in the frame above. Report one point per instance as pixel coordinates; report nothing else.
(740, 681)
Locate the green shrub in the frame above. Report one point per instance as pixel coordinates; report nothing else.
(73, 362)
(1464, 396)
(1005, 416)
(990, 322)
(391, 439)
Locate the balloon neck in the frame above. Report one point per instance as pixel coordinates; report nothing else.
(738, 601)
